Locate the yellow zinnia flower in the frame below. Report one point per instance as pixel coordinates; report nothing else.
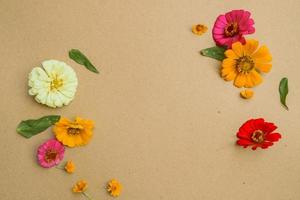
(74, 133)
(114, 187)
(244, 63)
(80, 186)
(199, 29)
(70, 167)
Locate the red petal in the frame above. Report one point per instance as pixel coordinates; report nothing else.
(244, 143)
(269, 127)
(273, 137)
(258, 124)
(254, 147)
(247, 127)
(244, 135)
(266, 145)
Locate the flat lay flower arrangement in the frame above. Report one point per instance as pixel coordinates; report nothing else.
(54, 84)
(244, 62)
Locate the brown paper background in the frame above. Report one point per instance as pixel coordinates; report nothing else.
(165, 120)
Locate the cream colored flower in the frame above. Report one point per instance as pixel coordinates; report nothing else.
(54, 84)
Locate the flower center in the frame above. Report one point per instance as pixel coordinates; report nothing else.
(51, 155)
(231, 29)
(258, 136)
(74, 129)
(244, 64)
(56, 83)
(199, 27)
(113, 188)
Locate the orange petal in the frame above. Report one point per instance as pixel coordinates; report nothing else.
(246, 94)
(255, 77)
(249, 83)
(230, 54)
(238, 49)
(228, 62)
(263, 67)
(250, 46)
(240, 80)
(262, 55)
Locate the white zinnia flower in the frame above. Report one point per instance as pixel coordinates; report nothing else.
(53, 84)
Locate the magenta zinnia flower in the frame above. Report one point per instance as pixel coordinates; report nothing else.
(231, 27)
(50, 153)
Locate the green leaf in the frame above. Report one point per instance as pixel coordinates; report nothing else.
(214, 52)
(81, 59)
(283, 91)
(31, 127)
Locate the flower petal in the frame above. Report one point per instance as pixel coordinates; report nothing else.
(262, 55)
(250, 47)
(240, 80)
(255, 77)
(230, 54)
(273, 137)
(238, 49)
(263, 67)
(244, 143)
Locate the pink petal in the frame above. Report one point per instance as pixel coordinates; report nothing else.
(219, 36)
(250, 22)
(221, 20)
(245, 18)
(251, 30)
(228, 17)
(218, 31)
(236, 15)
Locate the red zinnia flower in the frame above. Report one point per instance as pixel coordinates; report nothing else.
(257, 133)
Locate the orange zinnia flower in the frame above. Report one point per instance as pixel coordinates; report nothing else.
(245, 63)
(74, 133)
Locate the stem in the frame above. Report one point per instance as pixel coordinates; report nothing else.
(87, 196)
(58, 167)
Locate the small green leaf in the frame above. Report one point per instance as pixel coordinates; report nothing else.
(31, 127)
(214, 52)
(283, 91)
(81, 59)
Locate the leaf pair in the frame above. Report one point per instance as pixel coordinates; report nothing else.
(31, 127)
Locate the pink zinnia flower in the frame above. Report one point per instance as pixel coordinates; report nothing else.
(231, 27)
(50, 153)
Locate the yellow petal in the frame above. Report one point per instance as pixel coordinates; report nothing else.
(246, 94)
(249, 82)
(230, 54)
(250, 47)
(262, 55)
(238, 49)
(228, 62)
(263, 67)
(228, 70)
(230, 76)
(240, 80)
(255, 77)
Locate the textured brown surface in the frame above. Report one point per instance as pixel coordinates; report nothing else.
(165, 120)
